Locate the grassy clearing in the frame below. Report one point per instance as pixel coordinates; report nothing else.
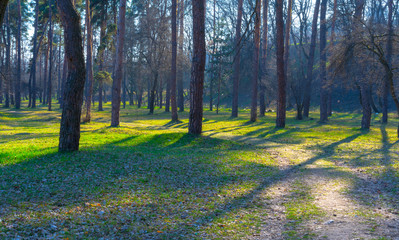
(149, 179)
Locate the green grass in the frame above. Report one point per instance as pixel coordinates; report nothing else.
(149, 179)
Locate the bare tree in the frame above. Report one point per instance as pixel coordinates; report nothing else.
(262, 87)
(309, 78)
(18, 79)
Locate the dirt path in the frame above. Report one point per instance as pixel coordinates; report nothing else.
(319, 198)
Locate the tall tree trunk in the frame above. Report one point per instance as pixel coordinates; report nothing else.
(89, 63)
(45, 70)
(287, 38)
(237, 58)
(173, 79)
(366, 107)
(332, 39)
(33, 68)
(18, 79)
(262, 88)
(281, 100)
(101, 52)
(50, 74)
(255, 63)
(117, 83)
(309, 78)
(388, 67)
(73, 95)
(198, 67)
(180, 87)
(385, 91)
(7, 81)
(323, 62)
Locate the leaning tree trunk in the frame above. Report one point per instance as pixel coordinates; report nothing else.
(323, 62)
(237, 58)
(198, 67)
(281, 100)
(117, 83)
(309, 78)
(255, 63)
(173, 73)
(262, 88)
(89, 63)
(73, 94)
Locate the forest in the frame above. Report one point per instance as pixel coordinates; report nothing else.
(199, 119)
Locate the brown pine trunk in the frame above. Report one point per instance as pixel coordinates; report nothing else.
(89, 63)
(237, 58)
(323, 62)
(173, 79)
(180, 87)
(366, 107)
(73, 95)
(198, 67)
(262, 88)
(18, 79)
(33, 68)
(50, 40)
(8, 62)
(255, 63)
(101, 52)
(332, 39)
(117, 83)
(385, 91)
(281, 100)
(309, 78)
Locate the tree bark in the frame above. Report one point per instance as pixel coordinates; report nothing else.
(281, 100)
(73, 94)
(309, 78)
(262, 88)
(173, 73)
(180, 87)
(255, 63)
(117, 83)
(385, 90)
(89, 63)
(198, 67)
(7, 74)
(18, 79)
(50, 40)
(33, 68)
(237, 58)
(323, 62)
(101, 52)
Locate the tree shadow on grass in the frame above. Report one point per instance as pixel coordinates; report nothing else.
(135, 183)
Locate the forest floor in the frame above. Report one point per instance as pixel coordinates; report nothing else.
(148, 179)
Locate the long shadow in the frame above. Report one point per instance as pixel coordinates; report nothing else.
(282, 175)
(184, 168)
